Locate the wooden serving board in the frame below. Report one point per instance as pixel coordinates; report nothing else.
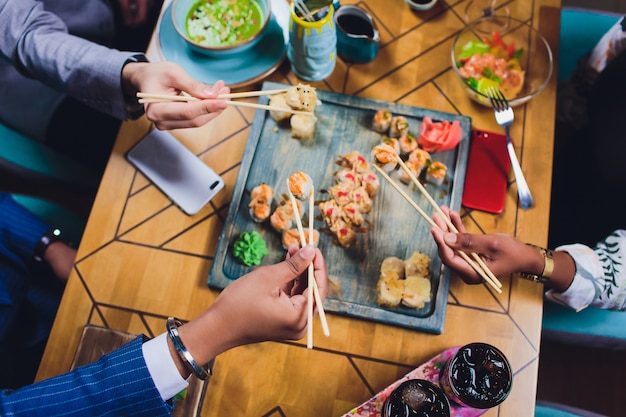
(396, 229)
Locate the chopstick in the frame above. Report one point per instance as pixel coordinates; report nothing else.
(426, 217)
(313, 288)
(451, 226)
(186, 97)
(164, 98)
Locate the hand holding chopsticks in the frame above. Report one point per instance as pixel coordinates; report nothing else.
(476, 263)
(145, 98)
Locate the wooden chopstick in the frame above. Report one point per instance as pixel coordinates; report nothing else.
(187, 97)
(164, 98)
(313, 288)
(426, 217)
(451, 226)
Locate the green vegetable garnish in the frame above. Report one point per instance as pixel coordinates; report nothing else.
(250, 248)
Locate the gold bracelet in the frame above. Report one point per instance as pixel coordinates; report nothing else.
(548, 267)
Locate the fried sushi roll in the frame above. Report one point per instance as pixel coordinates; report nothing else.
(436, 172)
(352, 214)
(370, 182)
(343, 231)
(261, 202)
(382, 121)
(340, 193)
(355, 161)
(302, 126)
(279, 101)
(301, 97)
(399, 127)
(330, 212)
(361, 199)
(347, 177)
(300, 185)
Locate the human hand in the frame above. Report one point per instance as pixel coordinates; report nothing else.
(170, 78)
(502, 253)
(61, 259)
(135, 12)
(269, 303)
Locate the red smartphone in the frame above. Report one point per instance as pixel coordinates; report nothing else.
(487, 172)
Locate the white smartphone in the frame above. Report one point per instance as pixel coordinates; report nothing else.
(175, 170)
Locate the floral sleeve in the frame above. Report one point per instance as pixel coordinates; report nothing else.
(600, 279)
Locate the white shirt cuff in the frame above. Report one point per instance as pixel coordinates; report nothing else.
(162, 367)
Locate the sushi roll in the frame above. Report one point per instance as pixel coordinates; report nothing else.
(392, 265)
(385, 157)
(436, 172)
(415, 170)
(330, 211)
(291, 236)
(399, 127)
(300, 185)
(343, 231)
(370, 182)
(347, 177)
(302, 126)
(382, 121)
(408, 143)
(283, 217)
(352, 214)
(261, 202)
(279, 101)
(389, 291)
(417, 265)
(416, 292)
(355, 161)
(340, 193)
(361, 199)
(394, 143)
(301, 97)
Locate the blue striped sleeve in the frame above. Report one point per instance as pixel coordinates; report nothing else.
(119, 384)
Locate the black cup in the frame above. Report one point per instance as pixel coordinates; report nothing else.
(416, 398)
(477, 376)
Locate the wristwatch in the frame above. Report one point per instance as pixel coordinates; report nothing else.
(51, 236)
(133, 108)
(548, 267)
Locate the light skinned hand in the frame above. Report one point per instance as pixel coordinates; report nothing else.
(61, 259)
(265, 304)
(170, 78)
(502, 253)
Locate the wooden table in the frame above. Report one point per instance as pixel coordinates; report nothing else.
(141, 259)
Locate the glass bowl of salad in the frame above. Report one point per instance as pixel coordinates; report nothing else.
(220, 27)
(502, 52)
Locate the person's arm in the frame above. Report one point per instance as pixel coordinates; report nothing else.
(37, 44)
(125, 383)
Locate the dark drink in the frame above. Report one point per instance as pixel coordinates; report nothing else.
(478, 376)
(416, 398)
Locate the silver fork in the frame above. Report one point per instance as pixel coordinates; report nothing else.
(504, 117)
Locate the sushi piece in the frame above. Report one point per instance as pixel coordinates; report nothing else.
(417, 265)
(354, 160)
(283, 217)
(399, 127)
(382, 121)
(416, 292)
(352, 214)
(302, 126)
(343, 231)
(394, 143)
(291, 236)
(279, 101)
(300, 185)
(330, 211)
(408, 143)
(347, 177)
(301, 97)
(340, 193)
(436, 172)
(415, 170)
(392, 265)
(389, 290)
(361, 199)
(370, 182)
(261, 202)
(385, 157)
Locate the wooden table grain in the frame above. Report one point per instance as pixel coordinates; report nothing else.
(141, 259)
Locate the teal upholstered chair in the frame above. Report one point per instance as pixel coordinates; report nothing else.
(581, 29)
(52, 186)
